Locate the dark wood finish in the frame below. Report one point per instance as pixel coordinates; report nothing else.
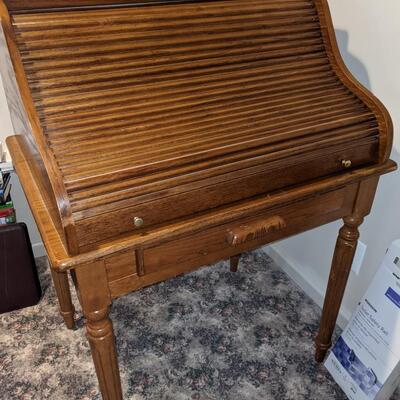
(61, 261)
(234, 262)
(140, 262)
(177, 134)
(67, 309)
(157, 110)
(211, 245)
(23, 6)
(341, 265)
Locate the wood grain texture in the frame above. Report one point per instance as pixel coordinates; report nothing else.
(40, 198)
(23, 6)
(67, 309)
(163, 135)
(234, 262)
(258, 229)
(179, 256)
(56, 249)
(35, 139)
(332, 50)
(120, 265)
(91, 282)
(211, 245)
(345, 249)
(138, 105)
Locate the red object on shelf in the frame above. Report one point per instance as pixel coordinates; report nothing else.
(7, 216)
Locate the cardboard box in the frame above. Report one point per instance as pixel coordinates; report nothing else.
(365, 361)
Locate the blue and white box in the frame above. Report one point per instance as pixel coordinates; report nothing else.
(365, 360)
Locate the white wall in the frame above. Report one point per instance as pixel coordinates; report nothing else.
(5, 121)
(372, 53)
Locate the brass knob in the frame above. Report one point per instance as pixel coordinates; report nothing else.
(346, 163)
(138, 222)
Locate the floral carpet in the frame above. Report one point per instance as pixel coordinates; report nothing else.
(207, 335)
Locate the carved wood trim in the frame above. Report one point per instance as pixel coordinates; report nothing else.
(255, 230)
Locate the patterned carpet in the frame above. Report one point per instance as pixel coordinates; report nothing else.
(211, 334)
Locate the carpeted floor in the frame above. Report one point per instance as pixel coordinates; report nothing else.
(211, 334)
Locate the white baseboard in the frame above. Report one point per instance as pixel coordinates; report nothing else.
(294, 273)
(38, 250)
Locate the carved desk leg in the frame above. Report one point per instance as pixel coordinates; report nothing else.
(234, 262)
(67, 310)
(341, 264)
(91, 281)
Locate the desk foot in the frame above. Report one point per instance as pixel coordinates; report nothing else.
(320, 351)
(67, 310)
(102, 343)
(69, 318)
(234, 262)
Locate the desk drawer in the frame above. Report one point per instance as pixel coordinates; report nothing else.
(226, 240)
(203, 195)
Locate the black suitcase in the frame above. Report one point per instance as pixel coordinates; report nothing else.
(19, 282)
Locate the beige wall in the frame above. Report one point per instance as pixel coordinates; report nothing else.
(5, 121)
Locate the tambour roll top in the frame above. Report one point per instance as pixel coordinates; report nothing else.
(156, 112)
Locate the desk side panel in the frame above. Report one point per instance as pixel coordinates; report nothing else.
(40, 198)
(332, 49)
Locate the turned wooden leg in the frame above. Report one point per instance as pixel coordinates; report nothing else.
(234, 262)
(100, 334)
(341, 265)
(67, 310)
(94, 295)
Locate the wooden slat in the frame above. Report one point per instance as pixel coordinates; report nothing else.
(169, 150)
(233, 92)
(149, 165)
(117, 132)
(146, 22)
(26, 5)
(239, 108)
(142, 102)
(87, 203)
(142, 185)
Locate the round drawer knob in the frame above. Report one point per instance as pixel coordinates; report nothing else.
(346, 163)
(138, 222)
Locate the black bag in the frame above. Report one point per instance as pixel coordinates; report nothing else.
(19, 282)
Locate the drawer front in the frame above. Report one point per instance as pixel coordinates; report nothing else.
(268, 178)
(230, 239)
(120, 265)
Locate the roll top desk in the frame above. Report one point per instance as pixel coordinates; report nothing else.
(158, 136)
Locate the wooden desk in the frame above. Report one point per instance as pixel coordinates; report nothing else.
(161, 137)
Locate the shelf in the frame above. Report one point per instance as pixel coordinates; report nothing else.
(6, 166)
